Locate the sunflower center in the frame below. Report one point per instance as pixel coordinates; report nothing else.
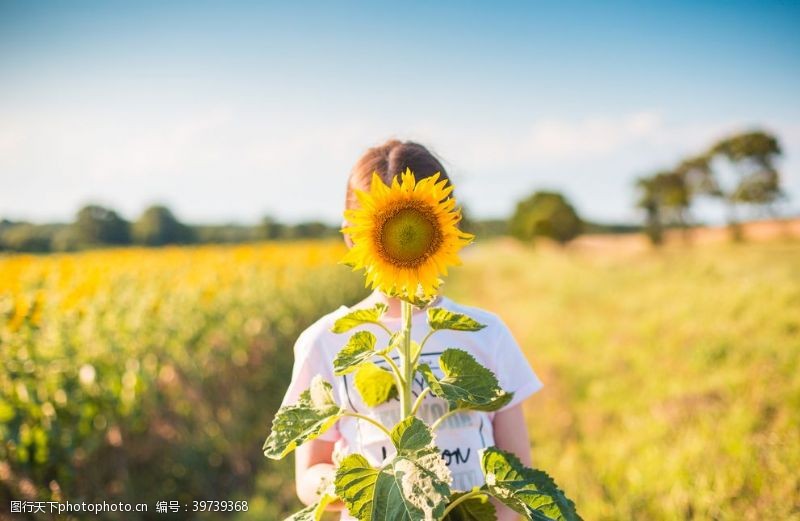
(409, 235)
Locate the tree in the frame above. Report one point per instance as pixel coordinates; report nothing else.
(698, 177)
(665, 197)
(545, 214)
(270, 229)
(98, 225)
(650, 202)
(26, 237)
(158, 226)
(312, 230)
(752, 156)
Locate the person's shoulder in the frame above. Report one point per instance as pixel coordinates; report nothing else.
(320, 329)
(491, 320)
(497, 335)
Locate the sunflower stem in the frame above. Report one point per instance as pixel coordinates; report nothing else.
(367, 419)
(422, 344)
(408, 363)
(475, 492)
(418, 401)
(443, 417)
(398, 376)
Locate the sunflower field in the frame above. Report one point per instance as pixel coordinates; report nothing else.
(142, 375)
(672, 378)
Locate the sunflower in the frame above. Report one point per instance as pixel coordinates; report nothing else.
(405, 236)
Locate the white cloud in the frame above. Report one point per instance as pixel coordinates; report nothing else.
(592, 136)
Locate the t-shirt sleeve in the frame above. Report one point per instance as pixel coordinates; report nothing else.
(514, 372)
(309, 361)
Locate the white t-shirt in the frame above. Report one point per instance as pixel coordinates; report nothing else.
(460, 436)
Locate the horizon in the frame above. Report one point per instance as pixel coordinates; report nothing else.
(226, 114)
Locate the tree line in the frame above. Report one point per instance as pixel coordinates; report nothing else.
(98, 226)
(736, 170)
(94, 226)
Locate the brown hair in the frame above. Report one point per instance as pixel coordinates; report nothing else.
(388, 160)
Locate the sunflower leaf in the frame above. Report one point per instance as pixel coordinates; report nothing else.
(413, 486)
(440, 318)
(359, 317)
(314, 512)
(530, 492)
(466, 383)
(395, 341)
(419, 301)
(411, 434)
(375, 385)
(313, 414)
(416, 348)
(477, 508)
(359, 349)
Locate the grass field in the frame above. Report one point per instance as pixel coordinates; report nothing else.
(672, 388)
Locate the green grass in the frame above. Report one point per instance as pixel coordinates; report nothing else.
(671, 378)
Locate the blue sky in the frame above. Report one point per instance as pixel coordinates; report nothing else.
(227, 111)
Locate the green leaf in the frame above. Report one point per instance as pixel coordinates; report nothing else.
(359, 317)
(313, 414)
(440, 318)
(528, 491)
(416, 300)
(473, 509)
(375, 385)
(395, 341)
(359, 349)
(411, 434)
(415, 350)
(313, 512)
(413, 486)
(466, 383)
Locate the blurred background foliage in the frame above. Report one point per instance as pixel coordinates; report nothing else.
(545, 214)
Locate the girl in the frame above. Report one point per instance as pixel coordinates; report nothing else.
(461, 436)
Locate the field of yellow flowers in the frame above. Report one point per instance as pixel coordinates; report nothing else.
(145, 375)
(672, 386)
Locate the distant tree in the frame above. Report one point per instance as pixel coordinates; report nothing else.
(158, 226)
(615, 228)
(665, 197)
(224, 233)
(545, 214)
(467, 223)
(65, 239)
(650, 201)
(752, 156)
(26, 237)
(698, 177)
(675, 196)
(98, 225)
(312, 230)
(270, 229)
